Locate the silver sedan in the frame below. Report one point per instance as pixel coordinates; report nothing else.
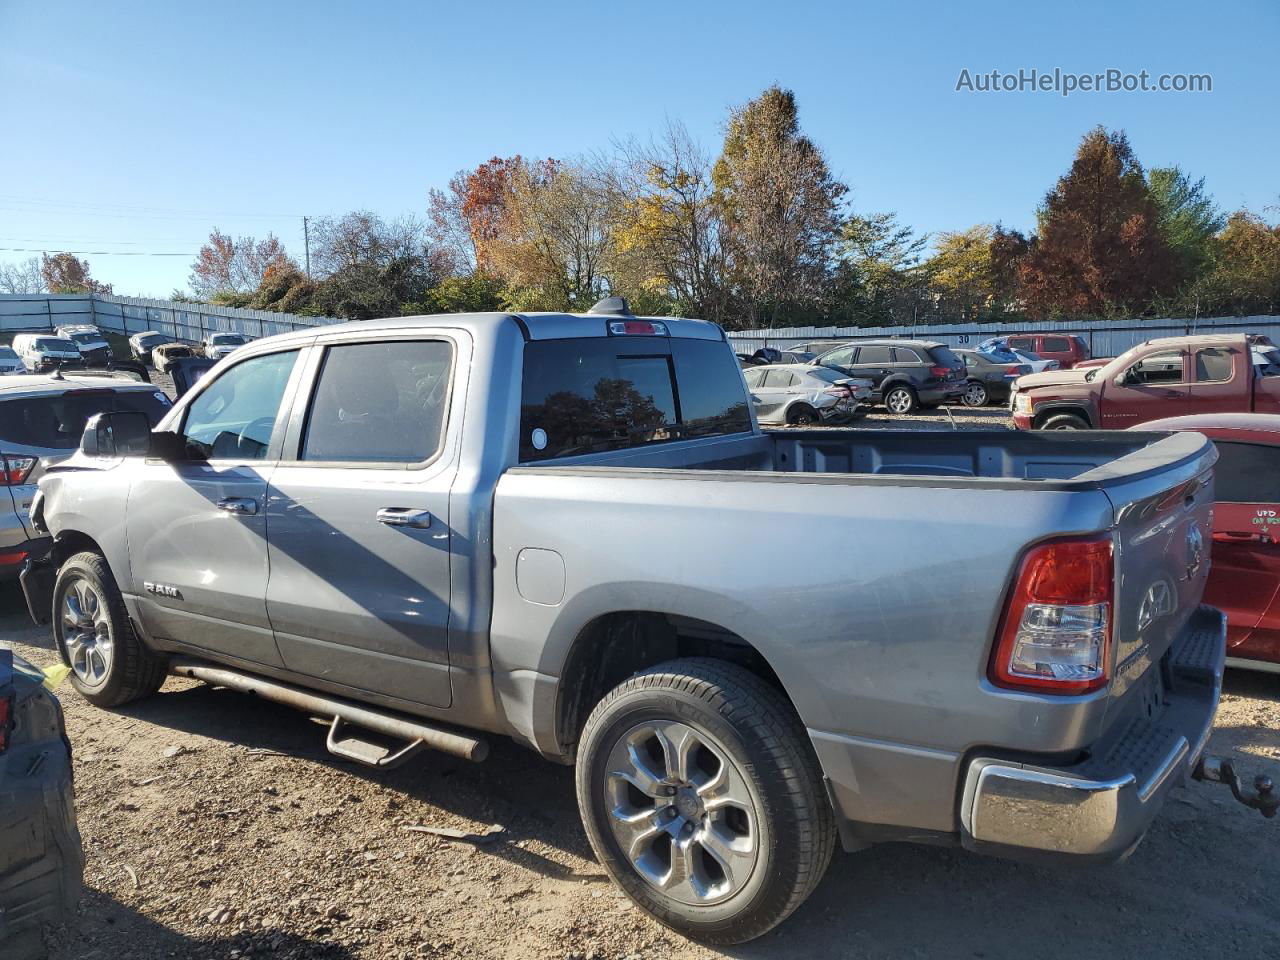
(799, 393)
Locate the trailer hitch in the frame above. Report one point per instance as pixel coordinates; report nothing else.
(1220, 770)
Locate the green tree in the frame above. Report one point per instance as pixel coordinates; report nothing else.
(961, 272)
(781, 211)
(1100, 249)
(878, 275)
(1244, 277)
(1188, 219)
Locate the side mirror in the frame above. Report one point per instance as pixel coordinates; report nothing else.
(120, 434)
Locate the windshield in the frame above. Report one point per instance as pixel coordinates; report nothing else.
(87, 337)
(151, 339)
(56, 344)
(56, 422)
(227, 339)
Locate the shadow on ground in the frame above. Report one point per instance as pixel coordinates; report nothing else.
(106, 929)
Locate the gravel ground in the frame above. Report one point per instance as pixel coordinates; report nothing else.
(216, 825)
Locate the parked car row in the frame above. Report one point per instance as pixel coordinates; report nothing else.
(907, 375)
(160, 350)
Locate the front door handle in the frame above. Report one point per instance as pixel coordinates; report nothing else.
(244, 506)
(404, 517)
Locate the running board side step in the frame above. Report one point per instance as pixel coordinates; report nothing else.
(409, 735)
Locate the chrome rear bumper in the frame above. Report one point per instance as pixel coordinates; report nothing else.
(1100, 809)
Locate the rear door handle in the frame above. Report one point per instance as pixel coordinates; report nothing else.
(404, 517)
(245, 506)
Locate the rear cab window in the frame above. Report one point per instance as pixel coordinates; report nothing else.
(589, 395)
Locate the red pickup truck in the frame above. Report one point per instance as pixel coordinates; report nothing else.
(1169, 377)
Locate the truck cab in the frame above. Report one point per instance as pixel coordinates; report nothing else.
(1168, 377)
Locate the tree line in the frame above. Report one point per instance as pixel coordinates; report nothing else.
(761, 234)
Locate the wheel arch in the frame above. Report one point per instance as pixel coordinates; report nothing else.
(613, 646)
(1044, 411)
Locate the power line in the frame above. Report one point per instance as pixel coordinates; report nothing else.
(95, 253)
(7, 199)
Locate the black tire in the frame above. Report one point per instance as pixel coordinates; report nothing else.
(975, 394)
(1065, 421)
(803, 415)
(130, 671)
(901, 400)
(789, 825)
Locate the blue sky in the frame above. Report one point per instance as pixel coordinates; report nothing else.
(139, 126)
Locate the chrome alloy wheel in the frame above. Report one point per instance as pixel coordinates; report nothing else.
(898, 401)
(86, 631)
(682, 812)
(975, 395)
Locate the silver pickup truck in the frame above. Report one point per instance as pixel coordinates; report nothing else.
(569, 530)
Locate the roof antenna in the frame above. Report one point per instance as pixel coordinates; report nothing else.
(612, 307)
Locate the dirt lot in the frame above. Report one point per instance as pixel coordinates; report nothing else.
(217, 826)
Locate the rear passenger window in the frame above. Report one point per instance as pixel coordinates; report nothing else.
(1246, 473)
(840, 358)
(1213, 364)
(903, 355)
(873, 354)
(379, 402)
(1024, 343)
(1055, 345)
(779, 378)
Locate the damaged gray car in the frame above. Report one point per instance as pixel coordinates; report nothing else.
(41, 862)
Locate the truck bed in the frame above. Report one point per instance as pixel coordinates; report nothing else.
(1003, 459)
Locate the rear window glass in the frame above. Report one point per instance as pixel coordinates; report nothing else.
(1213, 364)
(1001, 356)
(609, 393)
(7, 353)
(1246, 473)
(944, 357)
(825, 375)
(56, 422)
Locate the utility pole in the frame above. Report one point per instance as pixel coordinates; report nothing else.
(306, 244)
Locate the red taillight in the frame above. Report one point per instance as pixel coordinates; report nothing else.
(14, 470)
(1013, 368)
(940, 372)
(839, 391)
(1056, 631)
(6, 714)
(10, 558)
